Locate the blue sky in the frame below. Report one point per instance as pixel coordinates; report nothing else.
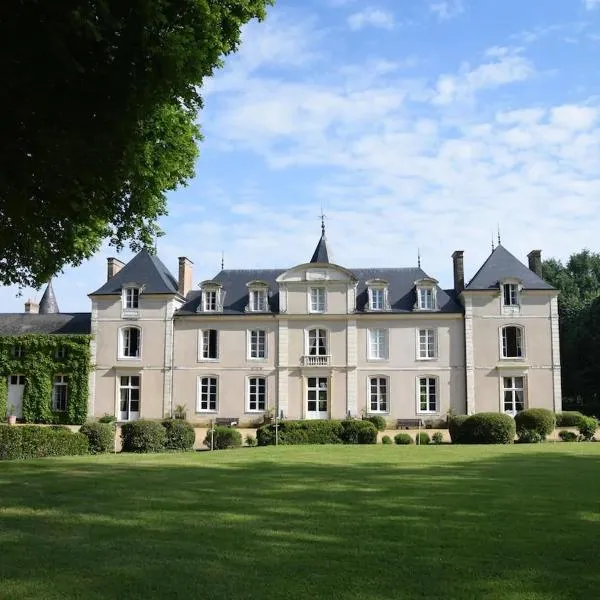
(414, 123)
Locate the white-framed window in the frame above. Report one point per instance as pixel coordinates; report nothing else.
(257, 394)
(129, 397)
(428, 395)
(512, 342)
(59, 393)
(60, 353)
(208, 394)
(258, 300)
(209, 344)
(131, 297)
(17, 380)
(257, 343)
(426, 298)
(378, 394)
(209, 300)
(427, 343)
(130, 342)
(317, 299)
(377, 340)
(317, 342)
(18, 351)
(510, 294)
(513, 392)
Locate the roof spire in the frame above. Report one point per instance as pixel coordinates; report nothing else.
(322, 215)
(499, 240)
(222, 260)
(419, 257)
(321, 253)
(48, 303)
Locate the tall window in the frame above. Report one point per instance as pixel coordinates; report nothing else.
(129, 397)
(378, 344)
(510, 294)
(512, 342)
(59, 392)
(209, 344)
(132, 297)
(130, 342)
(427, 343)
(317, 342)
(514, 397)
(209, 300)
(426, 298)
(257, 394)
(258, 300)
(317, 299)
(378, 394)
(258, 343)
(207, 398)
(428, 394)
(376, 298)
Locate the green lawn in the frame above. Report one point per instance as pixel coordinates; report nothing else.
(370, 522)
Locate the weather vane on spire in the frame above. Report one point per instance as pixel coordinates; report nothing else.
(322, 217)
(499, 240)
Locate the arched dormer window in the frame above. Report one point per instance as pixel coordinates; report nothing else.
(258, 296)
(426, 289)
(378, 295)
(513, 342)
(213, 296)
(130, 342)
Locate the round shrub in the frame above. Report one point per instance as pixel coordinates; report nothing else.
(527, 436)
(535, 420)
(386, 439)
(223, 438)
(587, 427)
(568, 418)
(358, 432)
(180, 435)
(437, 438)
(422, 438)
(488, 428)
(143, 436)
(378, 421)
(567, 436)
(250, 441)
(403, 439)
(454, 427)
(101, 436)
(107, 418)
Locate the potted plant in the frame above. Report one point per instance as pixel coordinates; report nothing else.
(11, 415)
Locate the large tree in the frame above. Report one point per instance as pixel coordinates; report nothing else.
(99, 102)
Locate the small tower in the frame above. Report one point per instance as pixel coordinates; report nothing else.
(321, 253)
(48, 303)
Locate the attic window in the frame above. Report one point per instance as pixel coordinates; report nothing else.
(212, 297)
(426, 294)
(258, 296)
(510, 294)
(378, 295)
(131, 297)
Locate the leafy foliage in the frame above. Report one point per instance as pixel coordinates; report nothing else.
(387, 440)
(101, 436)
(529, 436)
(437, 438)
(358, 432)
(535, 420)
(422, 438)
(179, 434)
(143, 436)
(223, 438)
(567, 436)
(99, 105)
(31, 441)
(378, 421)
(568, 418)
(488, 428)
(349, 431)
(587, 427)
(403, 439)
(250, 441)
(455, 423)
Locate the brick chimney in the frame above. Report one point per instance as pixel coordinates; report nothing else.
(459, 270)
(185, 275)
(113, 266)
(535, 262)
(32, 307)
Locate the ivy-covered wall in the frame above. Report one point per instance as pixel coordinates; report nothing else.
(39, 364)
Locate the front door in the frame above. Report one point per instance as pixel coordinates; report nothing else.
(317, 398)
(16, 387)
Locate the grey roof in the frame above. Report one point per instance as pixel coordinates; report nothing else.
(401, 290)
(501, 264)
(59, 323)
(321, 253)
(145, 269)
(48, 303)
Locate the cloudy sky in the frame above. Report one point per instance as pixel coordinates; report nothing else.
(413, 123)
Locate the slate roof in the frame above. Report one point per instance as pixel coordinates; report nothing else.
(145, 269)
(321, 253)
(401, 290)
(59, 323)
(48, 303)
(502, 264)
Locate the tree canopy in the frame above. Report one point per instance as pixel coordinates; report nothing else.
(99, 105)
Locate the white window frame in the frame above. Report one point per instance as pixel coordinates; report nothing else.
(201, 336)
(258, 300)
(385, 354)
(129, 386)
(210, 300)
(380, 292)
(378, 411)
(18, 351)
(521, 335)
(121, 343)
(514, 290)
(419, 347)
(423, 292)
(512, 388)
(317, 338)
(250, 344)
(61, 382)
(249, 394)
(199, 385)
(131, 297)
(320, 304)
(428, 411)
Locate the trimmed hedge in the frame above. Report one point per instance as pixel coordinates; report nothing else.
(535, 420)
(422, 438)
(319, 432)
(223, 438)
(32, 441)
(488, 428)
(403, 439)
(101, 436)
(179, 435)
(587, 427)
(567, 436)
(386, 439)
(378, 421)
(143, 436)
(568, 418)
(454, 427)
(358, 432)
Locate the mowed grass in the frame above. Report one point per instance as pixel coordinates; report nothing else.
(379, 522)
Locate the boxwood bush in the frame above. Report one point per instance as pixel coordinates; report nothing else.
(454, 427)
(403, 439)
(179, 435)
(587, 427)
(568, 418)
(386, 439)
(349, 431)
(378, 421)
(567, 436)
(223, 438)
(488, 428)
(101, 436)
(143, 436)
(535, 420)
(422, 438)
(358, 432)
(33, 441)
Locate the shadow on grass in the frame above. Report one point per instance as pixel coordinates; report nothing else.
(261, 525)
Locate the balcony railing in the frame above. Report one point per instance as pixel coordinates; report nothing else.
(323, 360)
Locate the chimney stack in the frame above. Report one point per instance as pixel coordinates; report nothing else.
(113, 266)
(32, 307)
(185, 275)
(459, 271)
(535, 262)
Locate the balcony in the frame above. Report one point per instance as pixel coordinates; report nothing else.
(323, 360)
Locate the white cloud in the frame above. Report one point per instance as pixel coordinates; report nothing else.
(371, 17)
(591, 4)
(448, 9)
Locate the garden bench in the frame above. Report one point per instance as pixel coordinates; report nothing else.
(227, 421)
(408, 423)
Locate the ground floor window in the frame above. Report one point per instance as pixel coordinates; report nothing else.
(378, 394)
(129, 397)
(513, 393)
(428, 394)
(317, 397)
(207, 400)
(257, 393)
(59, 393)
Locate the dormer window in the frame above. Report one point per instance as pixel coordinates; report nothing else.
(212, 297)
(131, 297)
(426, 294)
(209, 301)
(378, 295)
(258, 296)
(510, 294)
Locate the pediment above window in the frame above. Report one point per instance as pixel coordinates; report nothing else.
(308, 273)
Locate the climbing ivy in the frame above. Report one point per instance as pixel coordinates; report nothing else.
(42, 357)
